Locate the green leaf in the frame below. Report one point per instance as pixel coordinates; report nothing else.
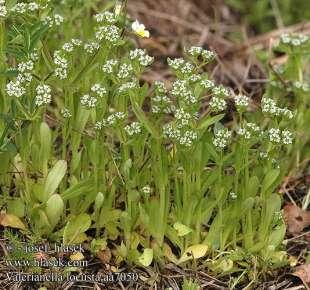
(269, 180)
(147, 257)
(45, 145)
(75, 228)
(16, 207)
(54, 209)
(204, 124)
(182, 230)
(54, 178)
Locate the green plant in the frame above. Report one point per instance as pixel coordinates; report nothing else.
(92, 147)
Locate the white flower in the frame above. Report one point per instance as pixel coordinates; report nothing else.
(3, 11)
(221, 138)
(99, 90)
(233, 195)
(241, 101)
(220, 91)
(88, 101)
(109, 65)
(126, 87)
(217, 104)
(133, 129)
(287, 137)
(65, 113)
(43, 96)
(110, 33)
(160, 87)
(91, 47)
(15, 89)
(244, 133)
(139, 29)
(146, 189)
(197, 51)
(68, 47)
(124, 71)
(141, 56)
(105, 16)
(25, 66)
(274, 135)
(207, 84)
(76, 41)
(32, 6)
(113, 118)
(179, 88)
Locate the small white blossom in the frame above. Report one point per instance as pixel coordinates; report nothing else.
(146, 189)
(241, 101)
(43, 96)
(91, 47)
(274, 135)
(207, 84)
(25, 66)
(221, 138)
(133, 129)
(109, 65)
(99, 90)
(141, 56)
(76, 42)
(217, 104)
(3, 11)
(220, 91)
(66, 113)
(113, 118)
(110, 33)
(105, 16)
(124, 71)
(88, 101)
(233, 195)
(160, 87)
(15, 89)
(287, 137)
(127, 86)
(68, 47)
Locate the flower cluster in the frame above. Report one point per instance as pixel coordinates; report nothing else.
(133, 129)
(61, 70)
(91, 47)
(217, 104)
(88, 101)
(17, 88)
(109, 33)
(241, 102)
(270, 106)
(277, 136)
(220, 91)
(183, 118)
(109, 65)
(294, 40)
(161, 103)
(99, 90)
(221, 138)
(207, 84)
(22, 7)
(69, 46)
(143, 58)
(65, 112)
(114, 118)
(146, 189)
(180, 65)
(301, 86)
(185, 138)
(197, 51)
(54, 20)
(106, 16)
(43, 96)
(127, 86)
(180, 89)
(124, 71)
(3, 10)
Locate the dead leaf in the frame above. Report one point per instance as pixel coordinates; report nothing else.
(303, 273)
(10, 220)
(104, 255)
(296, 218)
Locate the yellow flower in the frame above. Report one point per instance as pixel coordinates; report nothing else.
(139, 29)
